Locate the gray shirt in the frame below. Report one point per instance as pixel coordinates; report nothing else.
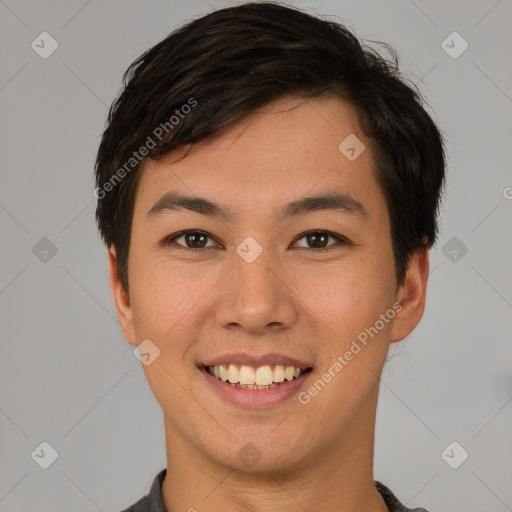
(153, 502)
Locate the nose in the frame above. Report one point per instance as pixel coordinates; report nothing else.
(257, 298)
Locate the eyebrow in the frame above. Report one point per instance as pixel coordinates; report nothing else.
(336, 201)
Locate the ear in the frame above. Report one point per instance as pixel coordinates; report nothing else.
(411, 296)
(121, 300)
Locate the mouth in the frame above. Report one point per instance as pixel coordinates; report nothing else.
(262, 386)
(256, 377)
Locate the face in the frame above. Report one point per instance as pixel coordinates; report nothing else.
(258, 274)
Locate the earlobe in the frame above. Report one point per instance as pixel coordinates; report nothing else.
(121, 300)
(411, 296)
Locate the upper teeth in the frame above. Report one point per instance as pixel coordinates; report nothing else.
(261, 376)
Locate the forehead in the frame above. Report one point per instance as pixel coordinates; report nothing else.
(284, 151)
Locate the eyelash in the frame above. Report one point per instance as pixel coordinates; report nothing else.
(341, 240)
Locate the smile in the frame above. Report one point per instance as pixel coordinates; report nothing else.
(250, 377)
(260, 386)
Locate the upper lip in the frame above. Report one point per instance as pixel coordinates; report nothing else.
(256, 360)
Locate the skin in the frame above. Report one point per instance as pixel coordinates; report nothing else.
(292, 299)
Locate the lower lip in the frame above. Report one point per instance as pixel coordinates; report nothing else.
(256, 397)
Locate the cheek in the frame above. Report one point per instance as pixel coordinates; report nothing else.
(165, 310)
(171, 303)
(163, 294)
(347, 298)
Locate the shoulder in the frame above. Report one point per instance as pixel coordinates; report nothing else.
(143, 505)
(392, 501)
(152, 502)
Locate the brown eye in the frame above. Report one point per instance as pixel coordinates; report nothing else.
(192, 240)
(318, 240)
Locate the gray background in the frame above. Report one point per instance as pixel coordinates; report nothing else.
(67, 375)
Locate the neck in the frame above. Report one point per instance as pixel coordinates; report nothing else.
(337, 478)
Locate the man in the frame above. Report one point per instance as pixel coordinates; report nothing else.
(268, 191)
